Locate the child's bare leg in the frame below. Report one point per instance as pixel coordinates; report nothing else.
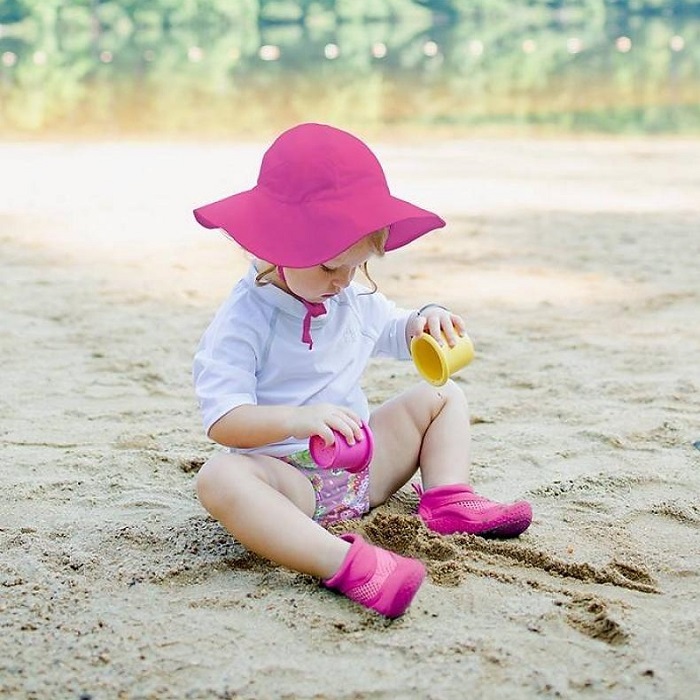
(429, 427)
(426, 426)
(267, 506)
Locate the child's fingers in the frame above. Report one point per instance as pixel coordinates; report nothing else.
(326, 432)
(349, 424)
(346, 429)
(435, 327)
(416, 325)
(441, 328)
(459, 324)
(454, 329)
(356, 426)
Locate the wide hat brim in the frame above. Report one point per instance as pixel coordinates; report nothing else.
(295, 234)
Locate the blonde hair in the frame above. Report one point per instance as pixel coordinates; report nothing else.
(377, 242)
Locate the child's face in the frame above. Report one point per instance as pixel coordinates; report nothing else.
(323, 281)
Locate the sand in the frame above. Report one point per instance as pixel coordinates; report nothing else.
(576, 266)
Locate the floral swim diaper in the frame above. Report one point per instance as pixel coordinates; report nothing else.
(340, 495)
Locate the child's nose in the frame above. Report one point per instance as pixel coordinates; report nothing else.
(344, 277)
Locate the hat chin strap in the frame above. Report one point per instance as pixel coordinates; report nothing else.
(313, 309)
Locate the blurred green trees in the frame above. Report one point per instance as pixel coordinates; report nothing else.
(167, 13)
(218, 68)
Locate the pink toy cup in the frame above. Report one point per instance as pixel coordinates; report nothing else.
(341, 455)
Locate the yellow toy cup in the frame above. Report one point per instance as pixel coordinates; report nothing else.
(438, 362)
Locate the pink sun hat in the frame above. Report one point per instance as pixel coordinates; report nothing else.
(320, 190)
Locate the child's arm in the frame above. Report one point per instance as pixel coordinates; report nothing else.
(250, 425)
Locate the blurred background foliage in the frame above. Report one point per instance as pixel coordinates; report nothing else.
(239, 68)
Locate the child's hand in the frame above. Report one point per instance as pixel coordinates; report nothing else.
(438, 321)
(322, 419)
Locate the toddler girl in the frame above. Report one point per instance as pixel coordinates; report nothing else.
(282, 361)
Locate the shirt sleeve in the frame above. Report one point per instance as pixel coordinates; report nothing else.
(224, 369)
(391, 321)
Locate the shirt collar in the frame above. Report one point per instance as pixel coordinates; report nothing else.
(274, 296)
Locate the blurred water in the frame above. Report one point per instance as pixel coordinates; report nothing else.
(505, 74)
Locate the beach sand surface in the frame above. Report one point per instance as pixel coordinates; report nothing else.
(575, 263)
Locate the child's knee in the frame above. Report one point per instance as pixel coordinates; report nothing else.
(211, 479)
(439, 396)
(451, 391)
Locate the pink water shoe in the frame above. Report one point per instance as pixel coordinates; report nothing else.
(376, 578)
(456, 508)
